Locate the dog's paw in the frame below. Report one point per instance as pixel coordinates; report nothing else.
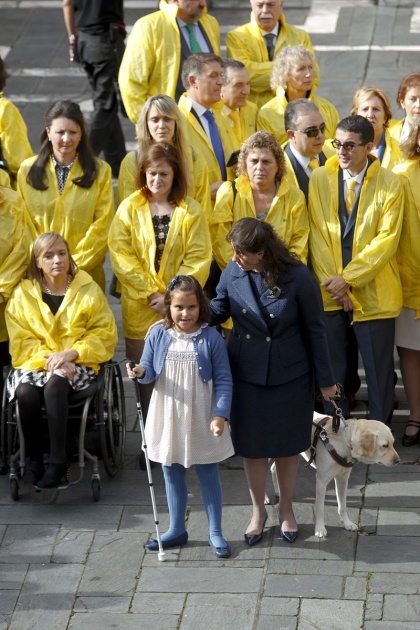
(349, 525)
(320, 531)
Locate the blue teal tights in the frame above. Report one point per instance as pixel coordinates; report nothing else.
(177, 495)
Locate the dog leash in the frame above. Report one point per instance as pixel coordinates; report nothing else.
(338, 412)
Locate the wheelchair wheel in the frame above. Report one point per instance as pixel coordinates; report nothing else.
(96, 489)
(9, 433)
(3, 433)
(112, 428)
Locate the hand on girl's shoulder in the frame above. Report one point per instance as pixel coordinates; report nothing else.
(157, 325)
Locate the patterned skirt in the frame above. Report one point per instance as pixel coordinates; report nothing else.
(83, 377)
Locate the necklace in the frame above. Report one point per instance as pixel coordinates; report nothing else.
(48, 290)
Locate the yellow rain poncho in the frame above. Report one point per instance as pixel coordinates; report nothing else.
(247, 44)
(287, 214)
(373, 271)
(84, 322)
(14, 248)
(152, 57)
(408, 254)
(81, 215)
(132, 248)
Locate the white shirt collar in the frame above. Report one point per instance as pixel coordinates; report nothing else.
(198, 108)
(359, 177)
(275, 30)
(302, 159)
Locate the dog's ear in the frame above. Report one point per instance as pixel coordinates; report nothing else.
(368, 443)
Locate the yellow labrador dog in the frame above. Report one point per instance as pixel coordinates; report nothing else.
(364, 441)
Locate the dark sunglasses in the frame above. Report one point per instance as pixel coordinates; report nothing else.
(312, 132)
(347, 146)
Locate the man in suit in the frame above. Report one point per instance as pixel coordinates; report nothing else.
(208, 131)
(305, 150)
(258, 42)
(241, 113)
(354, 228)
(157, 48)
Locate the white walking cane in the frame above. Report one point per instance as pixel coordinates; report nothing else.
(161, 553)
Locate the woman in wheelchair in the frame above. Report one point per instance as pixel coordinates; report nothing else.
(60, 328)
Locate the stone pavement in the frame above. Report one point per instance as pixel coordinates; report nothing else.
(69, 563)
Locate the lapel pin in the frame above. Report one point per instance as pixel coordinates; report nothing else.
(274, 293)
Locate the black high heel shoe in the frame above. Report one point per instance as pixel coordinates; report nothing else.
(253, 539)
(411, 440)
(53, 476)
(289, 536)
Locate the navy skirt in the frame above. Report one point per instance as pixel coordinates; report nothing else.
(272, 421)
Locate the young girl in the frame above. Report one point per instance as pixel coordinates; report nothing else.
(189, 408)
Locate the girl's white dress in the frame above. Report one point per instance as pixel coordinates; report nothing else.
(181, 410)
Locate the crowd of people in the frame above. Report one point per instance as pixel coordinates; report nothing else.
(245, 189)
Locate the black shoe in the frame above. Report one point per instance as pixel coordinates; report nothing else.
(289, 536)
(36, 469)
(53, 476)
(253, 539)
(411, 440)
(153, 545)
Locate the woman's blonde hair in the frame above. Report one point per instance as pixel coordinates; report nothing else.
(166, 106)
(285, 61)
(367, 92)
(262, 140)
(43, 243)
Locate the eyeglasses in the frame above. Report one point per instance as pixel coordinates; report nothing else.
(347, 146)
(312, 132)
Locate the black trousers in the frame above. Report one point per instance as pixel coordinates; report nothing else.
(101, 61)
(54, 395)
(375, 339)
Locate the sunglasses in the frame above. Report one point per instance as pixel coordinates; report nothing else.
(347, 146)
(312, 132)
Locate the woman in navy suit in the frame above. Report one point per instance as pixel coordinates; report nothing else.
(277, 349)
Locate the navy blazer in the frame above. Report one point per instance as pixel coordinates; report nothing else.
(297, 342)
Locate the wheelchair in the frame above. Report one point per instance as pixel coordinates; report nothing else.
(97, 412)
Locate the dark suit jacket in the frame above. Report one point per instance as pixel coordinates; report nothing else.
(297, 341)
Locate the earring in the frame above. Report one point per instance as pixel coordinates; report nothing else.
(418, 150)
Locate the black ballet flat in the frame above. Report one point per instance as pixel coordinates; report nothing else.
(53, 476)
(253, 539)
(411, 440)
(36, 469)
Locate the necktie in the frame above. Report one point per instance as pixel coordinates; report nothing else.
(313, 163)
(234, 115)
(216, 142)
(269, 41)
(351, 195)
(194, 45)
